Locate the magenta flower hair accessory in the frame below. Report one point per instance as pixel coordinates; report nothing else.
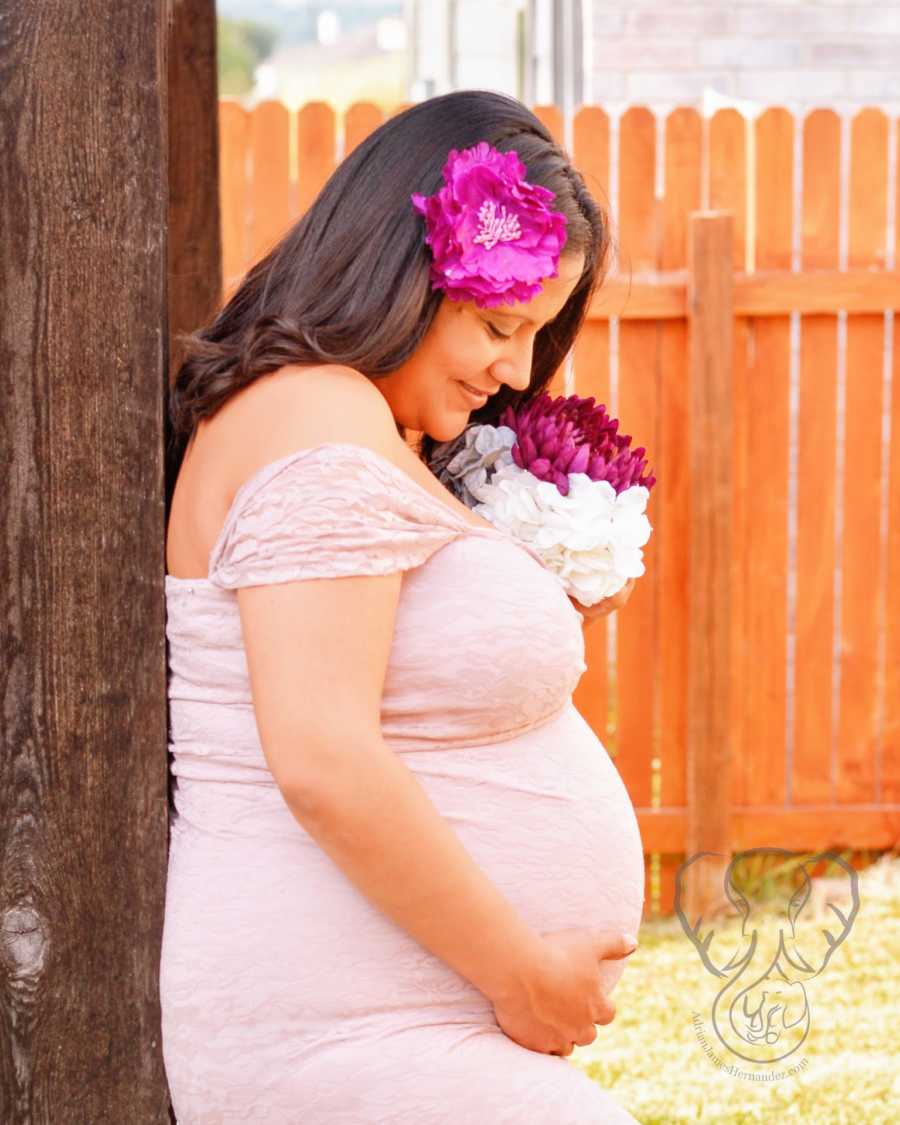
(557, 474)
(492, 234)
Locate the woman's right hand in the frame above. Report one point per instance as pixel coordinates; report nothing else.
(563, 998)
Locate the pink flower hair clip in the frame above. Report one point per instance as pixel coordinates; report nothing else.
(493, 237)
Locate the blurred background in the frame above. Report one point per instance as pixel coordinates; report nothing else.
(798, 53)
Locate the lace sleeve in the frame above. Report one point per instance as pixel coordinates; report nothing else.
(332, 511)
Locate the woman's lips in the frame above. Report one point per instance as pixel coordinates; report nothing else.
(471, 394)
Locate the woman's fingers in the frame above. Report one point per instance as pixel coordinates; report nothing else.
(585, 1039)
(606, 1014)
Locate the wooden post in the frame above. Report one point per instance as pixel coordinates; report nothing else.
(710, 317)
(195, 241)
(83, 732)
(194, 265)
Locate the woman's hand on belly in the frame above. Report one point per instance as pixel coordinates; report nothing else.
(558, 1006)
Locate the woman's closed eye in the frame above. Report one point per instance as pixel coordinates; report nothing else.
(496, 333)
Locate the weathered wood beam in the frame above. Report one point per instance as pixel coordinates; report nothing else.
(195, 240)
(82, 767)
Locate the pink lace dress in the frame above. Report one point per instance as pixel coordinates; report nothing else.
(287, 997)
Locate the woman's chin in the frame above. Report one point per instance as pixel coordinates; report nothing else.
(449, 427)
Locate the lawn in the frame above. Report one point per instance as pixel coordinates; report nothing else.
(652, 1060)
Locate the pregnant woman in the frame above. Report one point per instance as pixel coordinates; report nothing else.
(403, 869)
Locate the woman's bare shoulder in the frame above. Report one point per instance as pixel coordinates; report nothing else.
(290, 409)
(312, 386)
(300, 407)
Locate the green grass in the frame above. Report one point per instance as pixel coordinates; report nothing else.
(650, 1057)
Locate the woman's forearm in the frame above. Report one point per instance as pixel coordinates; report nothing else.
(368, 812)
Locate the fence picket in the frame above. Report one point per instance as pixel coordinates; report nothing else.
(671, 510)
(890, 742)
(811, 779)
(591, 362)
(361, 119)
(234, 139)
(552, 118)
(683, 194)
(638, 413)
(316, 151)
(270, 180)
(761, 671)
(860, 546)
(727, 191)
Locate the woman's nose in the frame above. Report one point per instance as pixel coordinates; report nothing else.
(514, 366)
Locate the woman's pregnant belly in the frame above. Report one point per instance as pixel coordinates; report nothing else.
(261, 924)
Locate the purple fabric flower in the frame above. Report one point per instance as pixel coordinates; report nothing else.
(559, 436)
(493, 237)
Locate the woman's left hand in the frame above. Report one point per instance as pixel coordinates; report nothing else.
(606, 606)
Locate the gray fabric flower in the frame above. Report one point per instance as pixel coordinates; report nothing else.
(467, 463)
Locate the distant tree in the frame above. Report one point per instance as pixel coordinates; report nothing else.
(241, 45)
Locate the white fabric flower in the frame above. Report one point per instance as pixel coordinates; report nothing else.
(591, 539)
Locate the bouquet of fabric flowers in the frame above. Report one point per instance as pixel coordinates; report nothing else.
(556, 474)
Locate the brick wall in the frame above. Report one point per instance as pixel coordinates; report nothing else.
(799, 53)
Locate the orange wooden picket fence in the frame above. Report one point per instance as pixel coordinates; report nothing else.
(815, 419)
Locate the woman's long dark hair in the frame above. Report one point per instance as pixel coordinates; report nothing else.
(349, 282)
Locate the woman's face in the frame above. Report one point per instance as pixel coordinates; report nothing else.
(467, 344)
